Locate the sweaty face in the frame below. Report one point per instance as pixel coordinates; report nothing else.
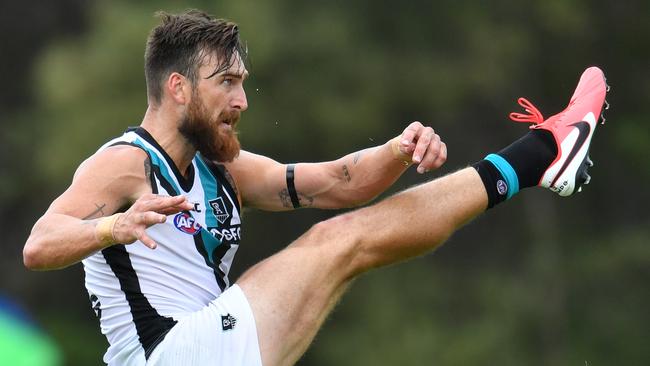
(215, 138)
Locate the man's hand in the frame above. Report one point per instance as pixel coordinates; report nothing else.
(422, 146)
(148, 210)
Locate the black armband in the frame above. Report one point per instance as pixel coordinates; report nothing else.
(291, 188)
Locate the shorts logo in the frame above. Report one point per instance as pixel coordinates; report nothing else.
(219, 209)
(186, 223)
(97, 306)
(502, 187)
(228, 322)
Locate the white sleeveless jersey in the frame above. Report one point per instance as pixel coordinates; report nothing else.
(138, 293)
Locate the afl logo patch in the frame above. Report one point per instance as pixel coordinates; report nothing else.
(186, 223)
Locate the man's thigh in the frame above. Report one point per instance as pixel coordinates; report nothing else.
(221, 334)
(292, 292)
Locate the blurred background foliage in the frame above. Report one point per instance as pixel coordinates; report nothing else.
(540, 280)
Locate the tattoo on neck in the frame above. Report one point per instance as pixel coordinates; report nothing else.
(99, 212)
(346, 173)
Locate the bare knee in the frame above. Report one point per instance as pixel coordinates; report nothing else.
(337, 241)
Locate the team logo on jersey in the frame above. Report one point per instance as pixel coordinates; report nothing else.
(186, 223)
(219, 209)
(228, 322)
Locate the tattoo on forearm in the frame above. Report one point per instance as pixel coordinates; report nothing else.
(285, 198)
(346, 173)
(357, 156)
(305, 201)
(99, 212)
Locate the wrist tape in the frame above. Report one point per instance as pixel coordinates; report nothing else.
(397, 153)
(104, 229)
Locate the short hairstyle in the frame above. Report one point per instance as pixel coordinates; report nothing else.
(182, 42)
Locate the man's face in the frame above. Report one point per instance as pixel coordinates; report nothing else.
(211, 117)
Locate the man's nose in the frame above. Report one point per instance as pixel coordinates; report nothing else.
(239, 101)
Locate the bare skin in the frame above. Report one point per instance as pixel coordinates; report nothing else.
(102, 185)
(117, 178)
(292, 292)
(320, 263)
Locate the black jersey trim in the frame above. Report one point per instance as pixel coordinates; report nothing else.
(218, 273)
(167, 186)
(152, 179)
(150, 326)
(185, 183)
(220, 252)
(220, 174)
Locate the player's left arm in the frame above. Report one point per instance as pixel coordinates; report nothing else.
(352, 180)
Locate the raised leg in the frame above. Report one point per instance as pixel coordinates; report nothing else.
(292, 292)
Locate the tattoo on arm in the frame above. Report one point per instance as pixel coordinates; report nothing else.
(99, 212)
(346, 173)
(305, 201)
(284, 198)
(147, 170)
(357, 156)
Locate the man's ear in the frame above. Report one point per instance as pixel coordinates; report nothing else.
(178, 88)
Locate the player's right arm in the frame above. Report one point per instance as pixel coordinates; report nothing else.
(108, 182)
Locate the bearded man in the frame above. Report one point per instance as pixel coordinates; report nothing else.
(177, 184)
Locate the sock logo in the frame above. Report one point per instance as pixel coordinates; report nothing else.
(502, 187)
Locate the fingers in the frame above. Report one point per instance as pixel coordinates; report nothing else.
(434, 158)
(145, 239)
(163, 204)
(151, 218)
(424, 146)
(175, 209)
(147, 211)
(408, 138)
(433, 161)
(139, 222)
(431, 151)
(425, 137)
(442, 157)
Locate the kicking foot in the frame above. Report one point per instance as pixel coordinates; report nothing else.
(572, 129)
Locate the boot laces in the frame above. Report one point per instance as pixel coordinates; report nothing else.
(533, 116)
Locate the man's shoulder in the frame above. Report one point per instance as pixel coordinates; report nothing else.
(121, 168)
(117, 157)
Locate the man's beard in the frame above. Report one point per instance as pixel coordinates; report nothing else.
(206, 134)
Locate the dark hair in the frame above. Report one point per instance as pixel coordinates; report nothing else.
(182, 42)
